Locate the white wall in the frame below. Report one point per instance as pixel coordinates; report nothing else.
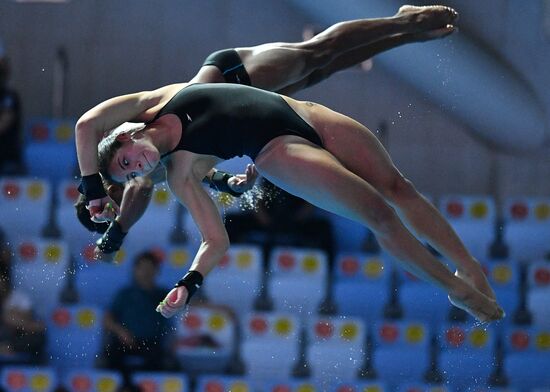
(121, 46)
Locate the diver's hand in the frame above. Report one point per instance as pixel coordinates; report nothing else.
(243, 182)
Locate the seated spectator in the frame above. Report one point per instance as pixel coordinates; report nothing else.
(22, 335)
(11, 144)
(302, 226)
(137, 336)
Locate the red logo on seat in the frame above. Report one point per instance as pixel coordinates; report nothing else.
(287, 261)
(324, 329)
(147, 386)
(258, 325)
(520, 340)
(61, 317)
(213, 386)
(81, 383)
(16, 380)
(350, 266)
(519, 211)
(192, 321)
(542, 276)
(455, 209)
(28, 251)
(39, 132)
(389, 333)
(455, 336)
(11, 190)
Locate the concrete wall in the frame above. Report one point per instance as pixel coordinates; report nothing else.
(121, 46)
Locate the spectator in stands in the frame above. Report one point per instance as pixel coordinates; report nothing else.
(22, 335)
(302, 225)
(137, 336)
(11, 145)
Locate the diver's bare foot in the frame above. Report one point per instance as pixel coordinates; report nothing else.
(428, 18)
(479, 305)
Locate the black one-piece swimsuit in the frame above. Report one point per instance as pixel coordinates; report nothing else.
(228, 120)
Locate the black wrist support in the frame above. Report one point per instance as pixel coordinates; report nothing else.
(112, 239)
(219, 182)
(92, 187)
(192, 281)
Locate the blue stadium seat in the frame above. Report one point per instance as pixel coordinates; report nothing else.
(401, 351)
(270, 345)
(237, 280)
(538, 295)
(349, 236)
(25, 204)
(97, 282)
(527, 357)
(40, 270)
(305, 385)
(214, 383)
(473, 218)
(156, 381)
(88, 380)
(422, 301)
(361, 287)
(527, 227)
(49, 150)
(74, 336)
(467, 354)
(422, 387)
(28, 379)
(157, 223)
(361, 386)
(298, 280)
(504, 278)
(175, 262)
(71, 230)
(336, 348)
(206, 339)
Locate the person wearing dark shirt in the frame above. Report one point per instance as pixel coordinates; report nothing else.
(137, 336)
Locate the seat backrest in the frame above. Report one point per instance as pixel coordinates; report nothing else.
(216, 324)
(362, 267)
(464, 337)
(401, 334)
(155, 381)
(88, 380)
(527, 210)
(472, 208)
(276, 326)
(522, 339)
(310, 264)
(25, 206)
(213, 383)
(74, 335)
(27, 378)
(40, 269)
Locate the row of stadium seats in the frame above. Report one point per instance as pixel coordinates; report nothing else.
(22, 379)
(296, 280)
(333, 350)
(32, 207)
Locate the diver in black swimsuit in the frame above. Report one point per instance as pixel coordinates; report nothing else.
(349, 174)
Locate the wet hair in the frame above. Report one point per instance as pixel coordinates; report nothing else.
(85, 219)
(108, 147)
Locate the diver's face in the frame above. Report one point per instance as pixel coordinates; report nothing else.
(135, 158)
